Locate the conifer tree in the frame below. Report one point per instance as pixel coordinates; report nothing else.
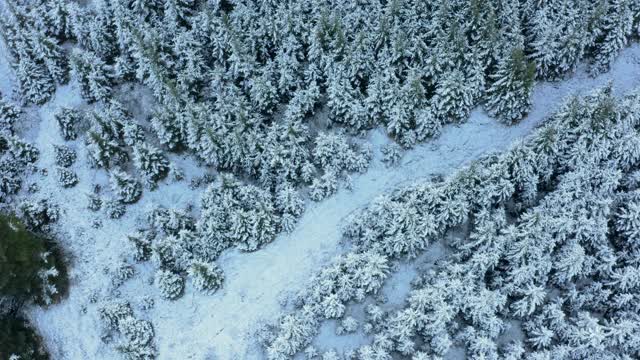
(207, 278)
(9, 114)
(153, 165)
(125, 187)
(614, 28)
(93, 75)
(509, 96)
(170, 284)
(68, 119)
(35, 84)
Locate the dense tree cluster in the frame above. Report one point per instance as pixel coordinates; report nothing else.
(135, 340)
(16, 156)
(236, 83)
(33, 36)
(272, 91)
(30, 271)
(544, 239)
(178, 249)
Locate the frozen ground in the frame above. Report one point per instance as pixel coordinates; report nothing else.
(220, 326)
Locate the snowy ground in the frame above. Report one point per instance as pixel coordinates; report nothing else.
(219, 326)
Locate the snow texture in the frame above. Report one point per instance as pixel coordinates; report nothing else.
(220, 326)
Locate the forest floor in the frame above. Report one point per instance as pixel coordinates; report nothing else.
(257, 284)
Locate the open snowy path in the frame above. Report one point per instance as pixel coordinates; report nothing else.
(219, 326)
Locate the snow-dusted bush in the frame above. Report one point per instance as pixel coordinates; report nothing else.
(112, 313)
(68, 120)
(295, 332)
(333, 307)
(141, 242)
(138, 335)
(172, 252)
(332, 152)
(348, 325)
(175, 173)
(64, 155)
(122, 273)
(170, 284)
(207, 277)
(67, 178)
(170, 221)
(330, 355)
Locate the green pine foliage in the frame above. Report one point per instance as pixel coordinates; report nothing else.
(17, 338)
(25, 256)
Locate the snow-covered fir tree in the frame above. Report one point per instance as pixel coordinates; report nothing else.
(9, 115)
(92, 74)
(126, 189)
(68, 120)
(206, 277)
(151, 163)
(67, 178)
(509, 96)
(170, 284)
(64, 155)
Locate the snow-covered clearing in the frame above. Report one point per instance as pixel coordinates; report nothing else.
(220, 326)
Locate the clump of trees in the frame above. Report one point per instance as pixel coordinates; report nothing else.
(134, 336)
(545, 234)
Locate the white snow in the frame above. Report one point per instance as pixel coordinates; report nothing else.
(220, 326)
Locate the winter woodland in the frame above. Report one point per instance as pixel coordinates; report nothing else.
(315, 179)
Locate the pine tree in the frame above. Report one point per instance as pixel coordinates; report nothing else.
(125, 187)
(168, 124)
(51, 55)
(453, 99)
(171, 285)
(509, 96)
(64, 155)
(104, 152)
(68, 119)
(284, 153)
(236, 214)
(9, 114)
(559, 38)
(207, 277)
(93, 75)
(615, 26)
(35, 85)
(101, 32)
(57, 20)
(153, 165)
